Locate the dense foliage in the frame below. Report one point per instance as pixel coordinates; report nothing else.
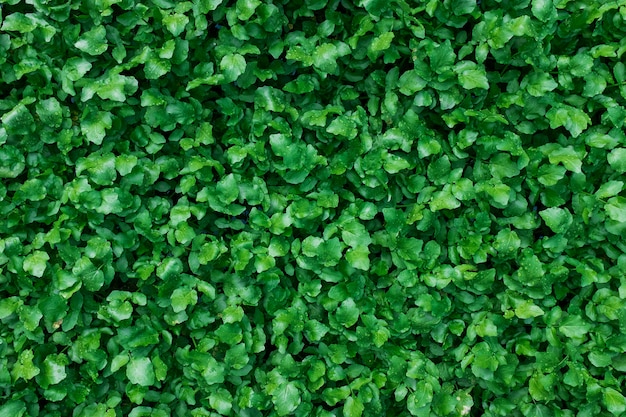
(312, 208)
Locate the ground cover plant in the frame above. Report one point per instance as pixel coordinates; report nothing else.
(312, 208)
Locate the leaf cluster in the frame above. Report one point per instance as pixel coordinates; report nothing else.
(312, 208)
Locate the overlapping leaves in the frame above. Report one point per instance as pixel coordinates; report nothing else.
(312, 208)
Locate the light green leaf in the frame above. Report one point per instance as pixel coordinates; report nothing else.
(566, 156)
(461, 7)
(538, 83)
(50, 112)
(93, 42)
(30, 316)
(315, 330)
(155, 68)
(94, 126)
(617, 160)
(124, 164)
(616, 209)
(101, 168)
(24, 367)
(610, 189)
(527, 310)
(221, 401)
(75, 68)
(421, 397)
(236, 357)
(13, 408)
(175, 23)
(471, 75)
(18, 120)
(347, 313)
(35, 263)
(286, 398)
(353, 407)
(543, 10)
(182, 297)
(246, 8)
(141, 372)
(53, 370)
(12, 161)
(507, 241)
(614, 401)
(19, 22)
(410, 83)
(381, 42)
(343, 126)
(572, 118)
(170, 268)
(444, 200)
(358, 258)
(557, 219)
(573, 326)
(233, 65)
(227, 189)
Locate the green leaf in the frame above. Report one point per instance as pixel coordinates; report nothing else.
(101, 168)
(36, 263)
(221, 401)
(557, 219)
(30, 316)
(538, 83)
(53, 370)
(12, 162)
(353, 407)
(616, 209)
(410, 83)
(75, 68)
(573, 119)
(617, 160)
(175, 23)
(286, 398)
(19, 22)
(227, 189)
(507, 241)
(347, 313)
(18, 120)
(50, 112)
(233, 65)
(527, 310)
(24, 367)
(182, 298)
(315, 330)
(170, 268)
(8, 306)
(444, 200)
(461, 7)
(95, 125)
(573, 326)
(358, 258)
(343, 126)
(566, 156)
(543, 10)
(93, 42)
(213, 372)
(326, 55)
(246, 8)
(614, 401)
(421, 397)
(13, 408)
(471, 75)
(141, 372)
(381, 42)
(236, 357)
